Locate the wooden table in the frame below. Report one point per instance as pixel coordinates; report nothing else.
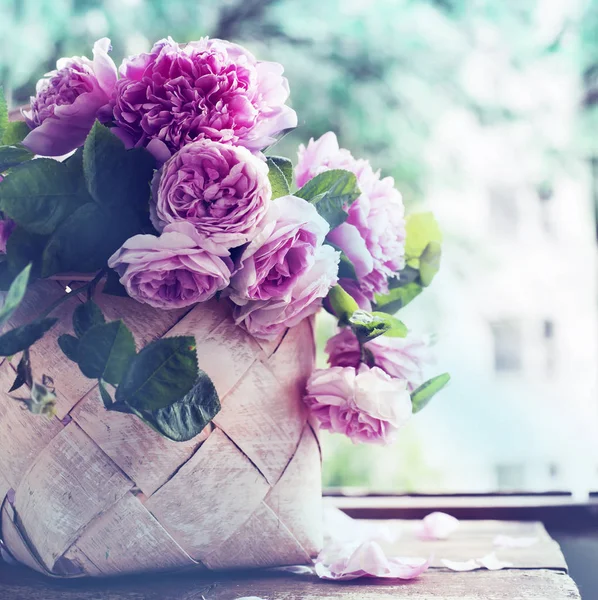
(539, 572)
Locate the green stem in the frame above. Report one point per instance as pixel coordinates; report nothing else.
(89, 285)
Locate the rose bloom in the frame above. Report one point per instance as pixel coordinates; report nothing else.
(367, 405)
(266, 319)
(402, 358)
(373, 236)
(283, 251)
(68, 101)
(170, 271)
(222, 190)
(207, 89)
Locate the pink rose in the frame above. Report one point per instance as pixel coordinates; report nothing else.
(402, 358)
(283, 251)
(68, 101)
(170, 271)
(366, 404)
(207, 89)
(373, 237)
(267, 318)
(222, 190)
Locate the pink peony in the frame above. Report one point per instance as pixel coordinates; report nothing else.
(402, 358)
(268, 318)
(365, 404)
(373, 237)
(222, 190)
(283, 252)
(68, 101)
(206, 89)
(170, 271)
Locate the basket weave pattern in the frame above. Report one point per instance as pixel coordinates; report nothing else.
(92, 492)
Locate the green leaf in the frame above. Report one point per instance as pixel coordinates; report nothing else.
(343, 305)
(285, 165)
(396, 327)
(86, 316)
(15, 294)
(24, 374)
(331, 192)
(113, 286)
(69, 345)
(86, 239)
(15, 133)
(20, 338)
(11, 156)
(366, 326)
(429, 263)
(426, 391)
(105, 351)
(397, 298)
(422, 228)
(23, 248)
(39, 195)
(187, 417)
(162, 373)
(3, 113)
(105, 394)
(116, 177)
(279, 183)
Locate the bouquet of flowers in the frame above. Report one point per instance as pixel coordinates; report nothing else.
(163, 189)
(154, 182)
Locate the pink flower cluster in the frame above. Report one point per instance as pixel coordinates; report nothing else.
(373, 236)
(205, 110)
(365, 404)
(165, 99)
(211, 198)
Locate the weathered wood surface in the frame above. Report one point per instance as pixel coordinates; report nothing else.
(521, 582)
(99, 493)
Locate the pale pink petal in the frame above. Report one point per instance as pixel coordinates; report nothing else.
(492, 563)
(366, 560)
(438, 526)
(340, 527)
(453, 565)
(506, 541)
(104, 66)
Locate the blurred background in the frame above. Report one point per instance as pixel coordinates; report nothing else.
(485, 112)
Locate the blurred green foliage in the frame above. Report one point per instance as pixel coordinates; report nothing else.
(381, 74)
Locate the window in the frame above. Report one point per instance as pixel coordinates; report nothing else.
(549, 346)
(504, 212)
(545, 194)
(507, 346)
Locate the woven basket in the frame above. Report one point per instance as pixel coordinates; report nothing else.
(98, 493)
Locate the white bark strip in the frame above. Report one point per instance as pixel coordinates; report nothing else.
(277, 545)
(71, 483)
(23, 435)
(210, 498)
(115, 547)
(302, 478)
(145, 456)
